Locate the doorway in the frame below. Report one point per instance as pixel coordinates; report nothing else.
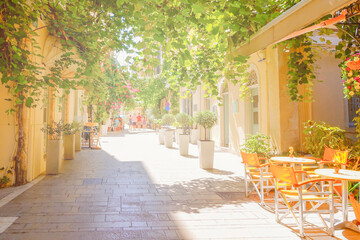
(226, 120)
(254, 110)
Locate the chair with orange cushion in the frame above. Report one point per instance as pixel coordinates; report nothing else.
(296, 199)
(356, 207)
(328, 157)
(258, 175)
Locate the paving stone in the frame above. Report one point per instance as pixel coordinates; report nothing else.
(137, 189)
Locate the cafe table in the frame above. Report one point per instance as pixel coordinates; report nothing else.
(293, 161)
(345, 176)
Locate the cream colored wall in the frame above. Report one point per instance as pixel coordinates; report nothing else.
(34, 117)
(7, 131)
(329, 104)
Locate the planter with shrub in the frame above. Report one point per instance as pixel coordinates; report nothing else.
(167, 121)
(184, 120)
(206, 146)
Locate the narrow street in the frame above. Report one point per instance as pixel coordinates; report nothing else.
(135, 188)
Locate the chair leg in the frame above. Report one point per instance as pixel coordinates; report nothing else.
(301, 213)
(331, 227)
(276, 206)
(246, 184)
(261, 188)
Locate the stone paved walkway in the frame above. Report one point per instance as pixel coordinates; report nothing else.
(137, 189)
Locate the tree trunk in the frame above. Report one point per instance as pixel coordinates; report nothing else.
(20, 157)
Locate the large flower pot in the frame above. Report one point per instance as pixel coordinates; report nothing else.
(78, 141)
(104, 130)
(161, 136)
(69, 147)
(177, 133)
(195, 136)
(169, 138)
(184, 144)
(54, 156)
(206, 153)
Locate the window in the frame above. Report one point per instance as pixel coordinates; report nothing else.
(353, 105)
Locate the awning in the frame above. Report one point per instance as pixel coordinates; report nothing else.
(291, 22)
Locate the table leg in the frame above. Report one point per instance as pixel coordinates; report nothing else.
(345, 199)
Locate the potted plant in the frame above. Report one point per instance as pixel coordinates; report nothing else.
(259, 144)
(69, 131)
(167, 120)
(161, 132)
(55, 144)
(194, 132)
(207, 120)
(184, 121)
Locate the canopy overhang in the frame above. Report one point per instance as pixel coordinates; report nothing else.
(291, 23)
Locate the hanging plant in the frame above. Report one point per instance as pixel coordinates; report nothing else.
(350, 74)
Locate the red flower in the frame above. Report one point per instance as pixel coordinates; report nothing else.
(117, 84)
(348, 69)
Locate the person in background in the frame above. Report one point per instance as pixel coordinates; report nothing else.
(144, 122)
(138, 120)
(130, 122)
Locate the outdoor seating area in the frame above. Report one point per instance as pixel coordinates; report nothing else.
(299, 190)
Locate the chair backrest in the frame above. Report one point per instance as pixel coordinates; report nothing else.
(329, 154)
(283, 174)
(341, 157)
(250, 159)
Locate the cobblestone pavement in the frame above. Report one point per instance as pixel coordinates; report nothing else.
(137, 189)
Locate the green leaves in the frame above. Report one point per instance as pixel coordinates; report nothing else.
(29, 101)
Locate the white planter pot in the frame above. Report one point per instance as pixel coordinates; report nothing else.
(184, 144)
(161, 136)
(169, 138)
(206, 154)
(69, 147)
(54, 156)
(78, 141)
(177, 133)
(195, 136)
(104, 130)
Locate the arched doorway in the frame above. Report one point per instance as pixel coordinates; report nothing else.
(225, 116)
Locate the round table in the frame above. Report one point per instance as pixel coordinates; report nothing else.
(344, 176)
(293, 160)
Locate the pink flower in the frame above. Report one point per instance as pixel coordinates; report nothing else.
(127, 96)
(356, 78)
(117, 70)
(117, 84)
(132, 96)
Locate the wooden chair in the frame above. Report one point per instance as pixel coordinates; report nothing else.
(258, 175)
(356, 207)
(297, 198)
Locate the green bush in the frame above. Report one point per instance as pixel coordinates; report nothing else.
(184, 120)
(206, 119)
(257, 143)
(168, 119)
(320, 134)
